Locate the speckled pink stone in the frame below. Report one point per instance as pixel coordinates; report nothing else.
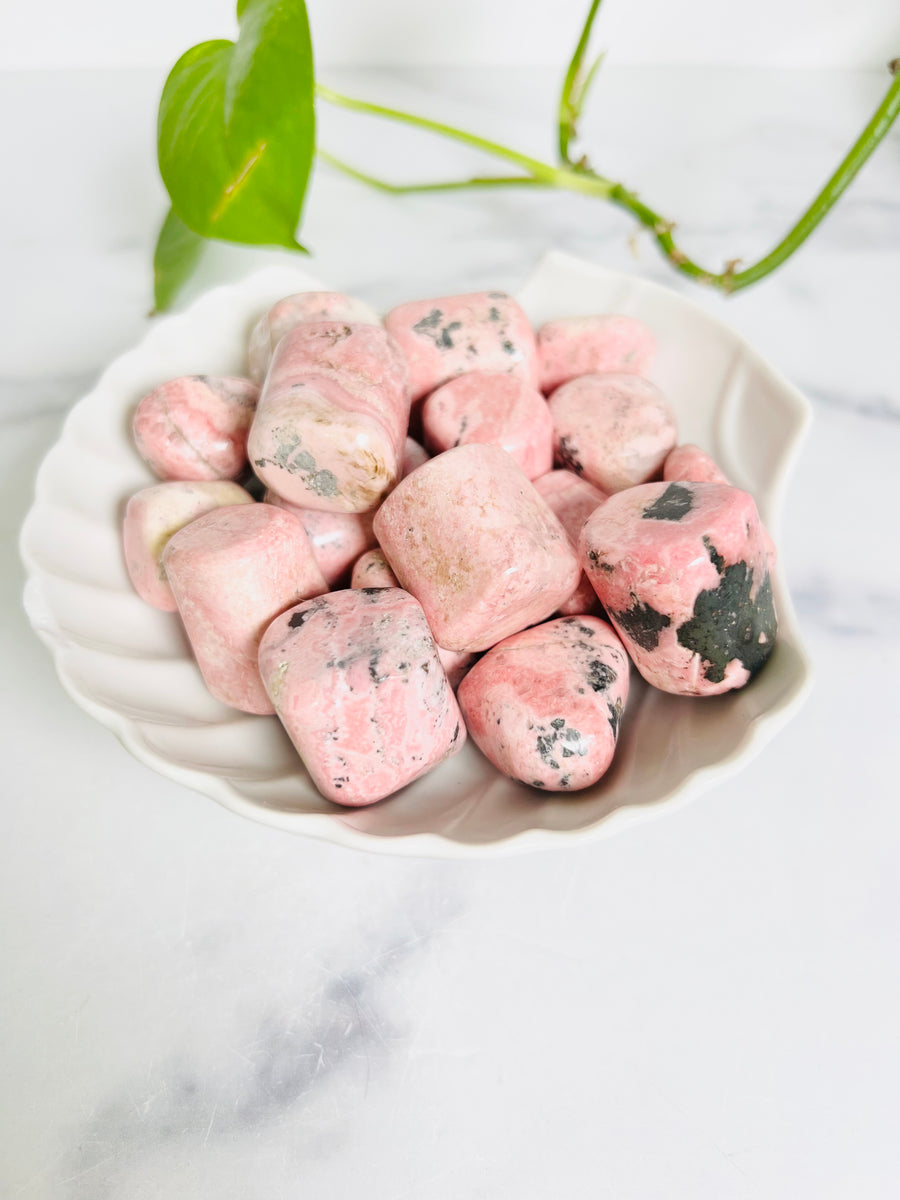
(337, 539)
(195, 427)
(153, 516)
(682, 570)
(371, 570)
(289, 312)
(451, 335)
(573, 500)
(545, 705)
(691, 464)
(615, 430)
(573, 346)
(330, 427)
(413, 456)
(494, 409)
(472, 540)
(356, 680)
(231, 572)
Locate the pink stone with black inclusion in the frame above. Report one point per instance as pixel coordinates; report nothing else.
(545, 705)
(683, 571)
(451, 335)
(330, 427)
(356, 680)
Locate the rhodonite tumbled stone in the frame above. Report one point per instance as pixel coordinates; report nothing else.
(196, 426)
(471, 539)
(356, 680)
(573, 500)
(330, 428)
(545, 705)
(690, 464)
(495, 409)
(337, 539)
(289, 312)
(615, 430)
(683, 570)
(231, 571)
(154, 515)
(573, 346)
(481, 331)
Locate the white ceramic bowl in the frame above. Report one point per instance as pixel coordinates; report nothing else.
(129, 666)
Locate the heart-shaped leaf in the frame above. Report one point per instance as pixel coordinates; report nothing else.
(178, 250)
(236, 131)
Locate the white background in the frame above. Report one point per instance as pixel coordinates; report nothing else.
(807, 33)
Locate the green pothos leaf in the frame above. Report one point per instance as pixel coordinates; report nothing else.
(178, 250)
(236, 128)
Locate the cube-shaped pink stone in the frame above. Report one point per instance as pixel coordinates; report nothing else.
(471, 539)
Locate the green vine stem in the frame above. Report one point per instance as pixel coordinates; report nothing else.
(578, 177)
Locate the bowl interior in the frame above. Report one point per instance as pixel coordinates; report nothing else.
(129, 665)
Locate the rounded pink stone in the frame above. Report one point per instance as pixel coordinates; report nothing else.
(153, 516)
(573, 346)
(289, 312)
(356, 680)
(413, 456)
(231, 572)
(472, 540)
(337, 539)
(451, 335)
(690, 463)
(330, 427)
(195, 427)
(495, 409)
(545, 705)
(371, 570)
(615, 430)
(573, 500)
(682, 569)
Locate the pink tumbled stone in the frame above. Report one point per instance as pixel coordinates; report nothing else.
(573, 500)
(231, 572)
(688, 463)
(449, 336)
(682, 569)
(472, 540)
(371, 570)
(573, 346)
(330, 427)
(495, 409)
(356, 680)
(289, 312)
(154, 515)
(413, 456)
(195, 427)
(337, 539)
(615, 430)
(545, 705)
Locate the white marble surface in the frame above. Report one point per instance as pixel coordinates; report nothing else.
(707, 1007)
